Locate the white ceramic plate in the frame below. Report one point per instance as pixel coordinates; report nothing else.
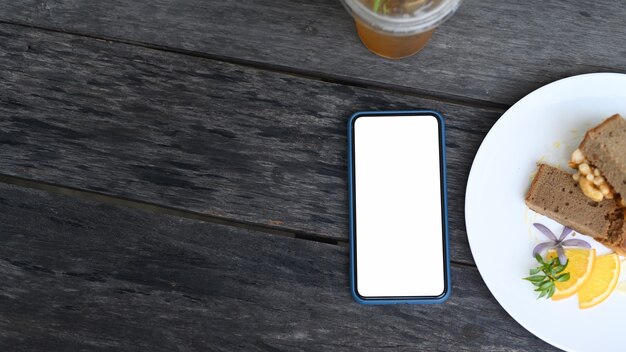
(546, 125)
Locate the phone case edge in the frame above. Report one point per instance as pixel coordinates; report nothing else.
(448, 282)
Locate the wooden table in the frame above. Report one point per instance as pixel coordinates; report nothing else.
(174, 172)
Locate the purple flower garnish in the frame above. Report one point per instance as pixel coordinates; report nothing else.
(557, 243)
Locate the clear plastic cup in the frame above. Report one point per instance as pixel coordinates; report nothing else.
(398, 28)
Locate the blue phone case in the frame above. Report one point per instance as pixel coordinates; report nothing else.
(409, 300)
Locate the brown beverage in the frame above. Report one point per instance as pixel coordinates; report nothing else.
(396, 29)
(391, 46)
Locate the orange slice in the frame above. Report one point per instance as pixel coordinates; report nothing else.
(602, 282)
(579, 266)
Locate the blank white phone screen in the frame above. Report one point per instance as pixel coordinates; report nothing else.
(399, 243)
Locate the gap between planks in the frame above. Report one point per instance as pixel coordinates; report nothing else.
(313, 75)
(160, 209)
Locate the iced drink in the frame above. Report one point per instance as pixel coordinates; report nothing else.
(398, 28)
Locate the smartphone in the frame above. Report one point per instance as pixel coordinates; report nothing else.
(398, 211)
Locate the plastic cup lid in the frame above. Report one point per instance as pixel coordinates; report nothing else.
(426, 15)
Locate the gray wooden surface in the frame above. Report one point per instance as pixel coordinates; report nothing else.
(234, 113)
(79, 275)
(197, 134)
(492, 50)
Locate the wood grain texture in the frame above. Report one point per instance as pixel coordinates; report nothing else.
(196, 134)
(491, 50)
(79, 275)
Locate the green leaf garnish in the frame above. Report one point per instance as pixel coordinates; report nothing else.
(562, 277)
(551, 291)
(539, 259)
(376, 5)
(546, 274)
(535, 278)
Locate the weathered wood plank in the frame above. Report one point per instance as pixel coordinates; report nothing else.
(82, 275)
(196, 134)
(490, 50)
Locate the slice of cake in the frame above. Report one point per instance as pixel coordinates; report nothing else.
(555, 194)
(601, 160)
